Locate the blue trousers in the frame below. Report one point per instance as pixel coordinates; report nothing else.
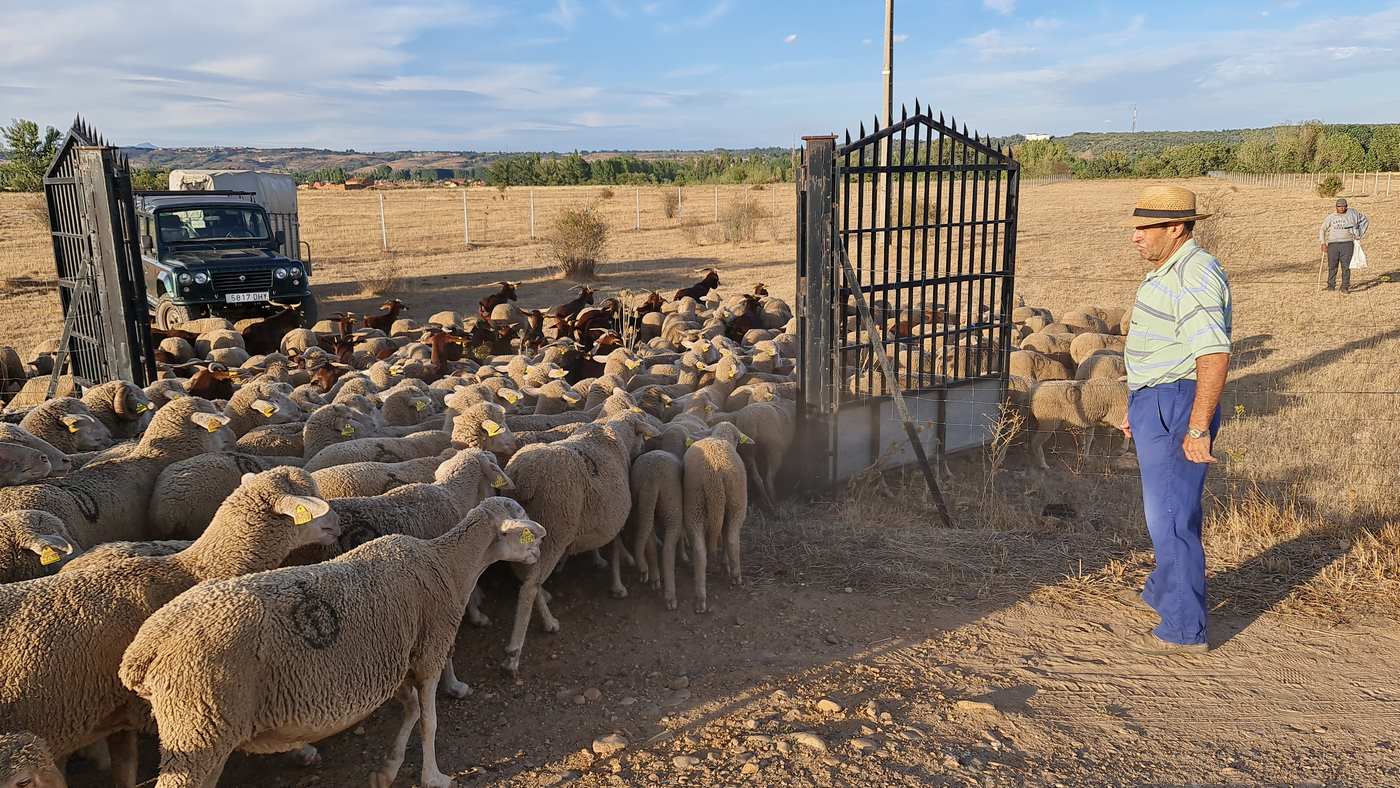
(1171, 498)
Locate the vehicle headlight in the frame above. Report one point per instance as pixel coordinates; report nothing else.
(280, 273)
(184, 278)
(201, 278)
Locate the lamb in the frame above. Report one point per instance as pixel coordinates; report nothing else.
(580, 486)
(1085, 321)
(1054, 345)
(419, 444)
(359, 479)
(330, 424)
(32, 543)
(68, 425)
(657, 493)
(391, 608)
(59, 463)
(257, 404)
(715, 503)
(108, 501)
(297, 341)
(25, 762)
(163, 391)
(1085, 345)
(1058, 404)
(1035, 365)
(188, 493)
(406, 404)
(554, 397)
(1102, 364)
(70, 695)
(771, 426)
(120, 406)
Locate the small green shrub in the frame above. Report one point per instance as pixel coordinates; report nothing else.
(739, 221)
(606, 194)
(1331, 186)
(577, 240)
(670, 203)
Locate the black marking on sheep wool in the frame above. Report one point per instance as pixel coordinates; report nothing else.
(394, 477)
(315, 620)
(357, 534)
(592, 464)
(247, 464)
(84, 500)
(385, 454)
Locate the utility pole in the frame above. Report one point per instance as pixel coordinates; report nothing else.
(888, 73)
(1134, 117)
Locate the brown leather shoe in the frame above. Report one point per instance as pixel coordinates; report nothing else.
(1148, 643)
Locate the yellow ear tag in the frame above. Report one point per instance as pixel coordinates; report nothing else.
(689, 442)
(509, 395)
(492, 428)
(214, 426)
(745, 439)
(267, 409)
(301, 515)
(420, 405)
(347, 430)
(633, 363)
(527, 536)
(49, 556)
(142, 407)
(499, 482)
(73, 427)
(700, 365)
(557, 373)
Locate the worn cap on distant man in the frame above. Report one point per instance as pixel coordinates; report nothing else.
(1341, 202)
(1159, 205)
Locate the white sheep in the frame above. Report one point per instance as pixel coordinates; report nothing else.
(1085, 345)
(65, 634)
(32, 544)
(580, 486)
(68, 425)
(108, 501)
(120, 406)
(189, 492)
(715, 505)
(261, 403)
(327, 644)
(1034, 365)
(1102, 364)
(358, 479)
(25, 762)
(656, 499)
(409, 447)
(1058, 404)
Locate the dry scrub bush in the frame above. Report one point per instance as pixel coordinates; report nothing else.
(577, 240)
(757, 187)
(1214, 234)
(606, 194)
(670, 203)
(739, 221)
(36, 210)
(384, 278)
(1331, 186)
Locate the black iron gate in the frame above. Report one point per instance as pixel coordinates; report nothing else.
(905, 264)
(106, 321)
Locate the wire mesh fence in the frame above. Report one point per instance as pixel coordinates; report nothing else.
(1374, 184)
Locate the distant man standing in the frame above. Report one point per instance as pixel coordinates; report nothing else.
(1178, 355)
(1340, 230)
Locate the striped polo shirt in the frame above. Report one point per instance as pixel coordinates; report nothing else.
(1182, 313)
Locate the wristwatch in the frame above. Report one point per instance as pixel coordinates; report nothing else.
(1198, 434)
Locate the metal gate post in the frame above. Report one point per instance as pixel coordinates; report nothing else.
(815, 311)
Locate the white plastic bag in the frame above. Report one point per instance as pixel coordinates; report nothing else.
(1358, 257)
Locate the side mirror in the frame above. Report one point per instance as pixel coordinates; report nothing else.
(148, 244)
(280, 237)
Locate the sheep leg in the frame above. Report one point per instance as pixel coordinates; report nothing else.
(734, 521)
(1038, 439)
(407, 697)
(547, 620)
(669, 541)
(308, 755)
(474, 614)
(699, 564)
(449, 684)
(196, 766)
(646, 564)
(124, 758)
(599, 562)
(618, 590)
(529, 597)
(655, 576)
(427, 731)
(99, 754)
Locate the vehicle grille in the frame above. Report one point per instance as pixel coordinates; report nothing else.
(254, 280)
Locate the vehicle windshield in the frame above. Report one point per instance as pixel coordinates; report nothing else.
(211, 223)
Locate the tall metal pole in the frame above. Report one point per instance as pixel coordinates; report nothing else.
(889, 63)
(383, 228)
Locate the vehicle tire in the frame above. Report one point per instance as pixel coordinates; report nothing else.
(310, 311)
(170, 314)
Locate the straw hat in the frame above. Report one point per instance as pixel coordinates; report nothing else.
(1159, 205)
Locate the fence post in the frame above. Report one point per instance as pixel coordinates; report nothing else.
(637, 190)
(532, 214)
(1376, 189)
(816, 314)
(680, 192)
(466, 231)
(716, 205)
(383, 228)
(1388, 176)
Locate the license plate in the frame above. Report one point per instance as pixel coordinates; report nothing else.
(245, 298)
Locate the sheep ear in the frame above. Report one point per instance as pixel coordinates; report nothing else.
(301, 508)
(558, 373)
(601, 359)
(647, 430)
(348, 429)
(209, 421)
(529, 391)
(632, 363)
(72, 421)
(511, 395)
(264, 407)
(247, 478)
(492, 428)
(744, 438)
(502, 482)
(619, 391)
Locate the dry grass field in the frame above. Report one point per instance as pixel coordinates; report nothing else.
(994, 646)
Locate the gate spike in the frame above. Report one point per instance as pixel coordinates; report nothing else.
(903, 113)
(916, 106)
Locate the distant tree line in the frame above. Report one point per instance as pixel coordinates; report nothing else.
(1303, 148)
(535, 170)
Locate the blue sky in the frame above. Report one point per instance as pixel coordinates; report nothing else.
(602, 74)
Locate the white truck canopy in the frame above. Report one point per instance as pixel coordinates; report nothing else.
(275, 193)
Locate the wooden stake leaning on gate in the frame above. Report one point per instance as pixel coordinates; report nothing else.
(892, 386)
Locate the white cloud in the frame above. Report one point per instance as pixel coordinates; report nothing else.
(714, 13)
(1135, 25)
(651, 9)
(692, 71)
(1003, 7)
(565, 13)
(900, 38)
(993, 44)
(1046, 23)
(790, 38)
(615, 8)
(867, 42)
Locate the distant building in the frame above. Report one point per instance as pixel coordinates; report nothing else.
(1037, 137)
(356, 183)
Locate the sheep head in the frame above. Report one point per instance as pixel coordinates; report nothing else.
(38, 532)
(25, 762)
(276, 499)
(22, 464)
(89, 433)
(518, 537)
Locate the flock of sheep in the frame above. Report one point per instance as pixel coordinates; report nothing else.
(267, 544)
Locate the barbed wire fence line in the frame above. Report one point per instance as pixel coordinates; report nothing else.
(1372, 184)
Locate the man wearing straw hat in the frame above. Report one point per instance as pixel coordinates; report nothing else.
(1177, 355)
(1339, 234)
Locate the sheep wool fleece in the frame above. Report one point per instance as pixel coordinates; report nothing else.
(1171, 496)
